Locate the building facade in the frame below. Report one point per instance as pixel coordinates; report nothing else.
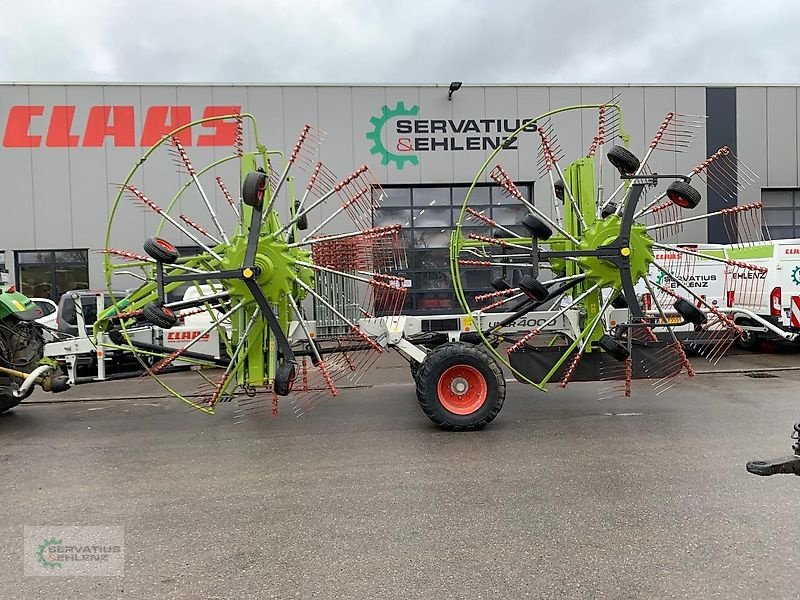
(66, 146)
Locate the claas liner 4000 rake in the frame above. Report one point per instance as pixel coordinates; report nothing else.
(573, 315)
(254, 280)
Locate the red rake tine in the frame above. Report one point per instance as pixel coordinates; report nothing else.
(571, 369)
(127, 255)
(223, 188)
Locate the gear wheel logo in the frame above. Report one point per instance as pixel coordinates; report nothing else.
(44, 556)
(378, 123)
(796, 275)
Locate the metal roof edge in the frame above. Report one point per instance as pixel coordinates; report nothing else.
(385, 85)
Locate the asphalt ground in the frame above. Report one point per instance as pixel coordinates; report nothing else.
(563, 496)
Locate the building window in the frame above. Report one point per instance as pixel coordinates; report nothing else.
(428, 214)
(50, 273)
(782, 212)
(3, 270)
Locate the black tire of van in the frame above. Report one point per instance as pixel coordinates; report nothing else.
(749, 341)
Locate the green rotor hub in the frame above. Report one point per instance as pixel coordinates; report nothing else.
(278, 268)
(603, 272)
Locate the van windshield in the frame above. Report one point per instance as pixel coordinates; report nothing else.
(89, 306)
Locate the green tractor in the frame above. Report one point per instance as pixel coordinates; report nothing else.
(22, 350)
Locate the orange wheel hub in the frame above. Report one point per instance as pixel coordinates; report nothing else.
(462, 389)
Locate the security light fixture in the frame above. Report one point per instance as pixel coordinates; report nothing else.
(454, 87)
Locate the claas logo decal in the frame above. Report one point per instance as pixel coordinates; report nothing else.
(185, 336)
(65, 126)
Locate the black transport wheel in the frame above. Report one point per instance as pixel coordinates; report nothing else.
(623, 160)
(253, 188)
(609, 210)
(619, 302)
(683, 195)
(500, 284)
(160, 316)
(161, 250)
(302, 222)
(613, 347)
(533, 288)
(537, 227)
(460, 387)
(414, 366)
(558, 188)
(284, 378)
(7, 401)
(690, 312)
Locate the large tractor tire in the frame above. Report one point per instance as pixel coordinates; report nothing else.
(21, 348)
(460, 387)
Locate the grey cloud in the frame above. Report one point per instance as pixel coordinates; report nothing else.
(413, 41)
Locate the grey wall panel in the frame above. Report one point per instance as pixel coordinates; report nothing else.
(532, 102)
(266, 103)
(16, 173)
(502, 104)
(782, 136)
(88, 184)
(468, 103)
(751, 128)
(692, 101)
(52, 208)
(299, 109)
(191, 201)
(78, 179)
(589, 126)
(589, 118)
(336, 120)
(233, 96)
(658, 101)
(633, 120)
(567, 125)
(435, 165)
(160, 179)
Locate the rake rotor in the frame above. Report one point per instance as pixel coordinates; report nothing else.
(283, 300)
(592, 252)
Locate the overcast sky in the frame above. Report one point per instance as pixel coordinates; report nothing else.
(411, 41)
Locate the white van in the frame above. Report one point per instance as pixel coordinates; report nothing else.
(764, 302)
(194, 323)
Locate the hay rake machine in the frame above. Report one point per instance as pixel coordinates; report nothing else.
(599, 261)
(255, 280)
(603, 295)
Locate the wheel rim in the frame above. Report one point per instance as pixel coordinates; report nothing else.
(462, 389)
(679, 200)
(165, 245)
